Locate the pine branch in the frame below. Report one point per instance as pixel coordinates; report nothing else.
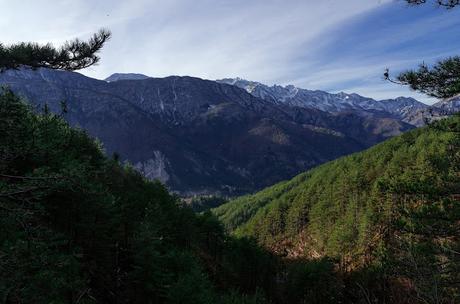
(73, 55)
(442, 80)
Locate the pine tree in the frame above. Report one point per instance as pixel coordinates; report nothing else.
(442, 80)
(73, 55)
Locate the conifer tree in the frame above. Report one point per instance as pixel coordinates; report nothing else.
(441, 80)
(73, 55)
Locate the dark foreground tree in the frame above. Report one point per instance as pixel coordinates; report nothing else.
(441, 80)
(73, 55)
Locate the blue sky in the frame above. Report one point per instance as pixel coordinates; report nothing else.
(333, 45)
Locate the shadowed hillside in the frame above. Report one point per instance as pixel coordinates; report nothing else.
(395, 206)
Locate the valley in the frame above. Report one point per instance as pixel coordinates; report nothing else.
(119, 187)
(202, 137)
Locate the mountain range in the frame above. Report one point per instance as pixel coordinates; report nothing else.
(406, 109)
(228, 137)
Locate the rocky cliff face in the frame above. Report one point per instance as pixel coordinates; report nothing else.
(201, 136)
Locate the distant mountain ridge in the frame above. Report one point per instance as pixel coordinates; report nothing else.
(126, 76)
(406, 109)
(322, 100)
(202, 136)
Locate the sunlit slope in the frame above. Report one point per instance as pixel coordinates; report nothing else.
(348, 207)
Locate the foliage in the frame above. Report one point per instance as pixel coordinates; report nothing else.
(441, 81)
(74, 55)
(77, 227)
(394, 207)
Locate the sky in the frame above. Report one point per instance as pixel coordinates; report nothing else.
(331, 45)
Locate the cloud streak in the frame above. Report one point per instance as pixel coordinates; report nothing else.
(355, 53)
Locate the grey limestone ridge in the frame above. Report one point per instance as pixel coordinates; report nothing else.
(202, 136)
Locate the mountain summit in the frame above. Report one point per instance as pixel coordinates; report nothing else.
(403, 108)
(126, 76)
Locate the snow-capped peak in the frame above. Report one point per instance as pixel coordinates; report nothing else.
(329, 102)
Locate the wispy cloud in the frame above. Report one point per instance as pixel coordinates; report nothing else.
(330, 44)
(353, 54)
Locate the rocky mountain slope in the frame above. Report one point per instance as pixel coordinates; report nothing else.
(201, 136)
(405, 109)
